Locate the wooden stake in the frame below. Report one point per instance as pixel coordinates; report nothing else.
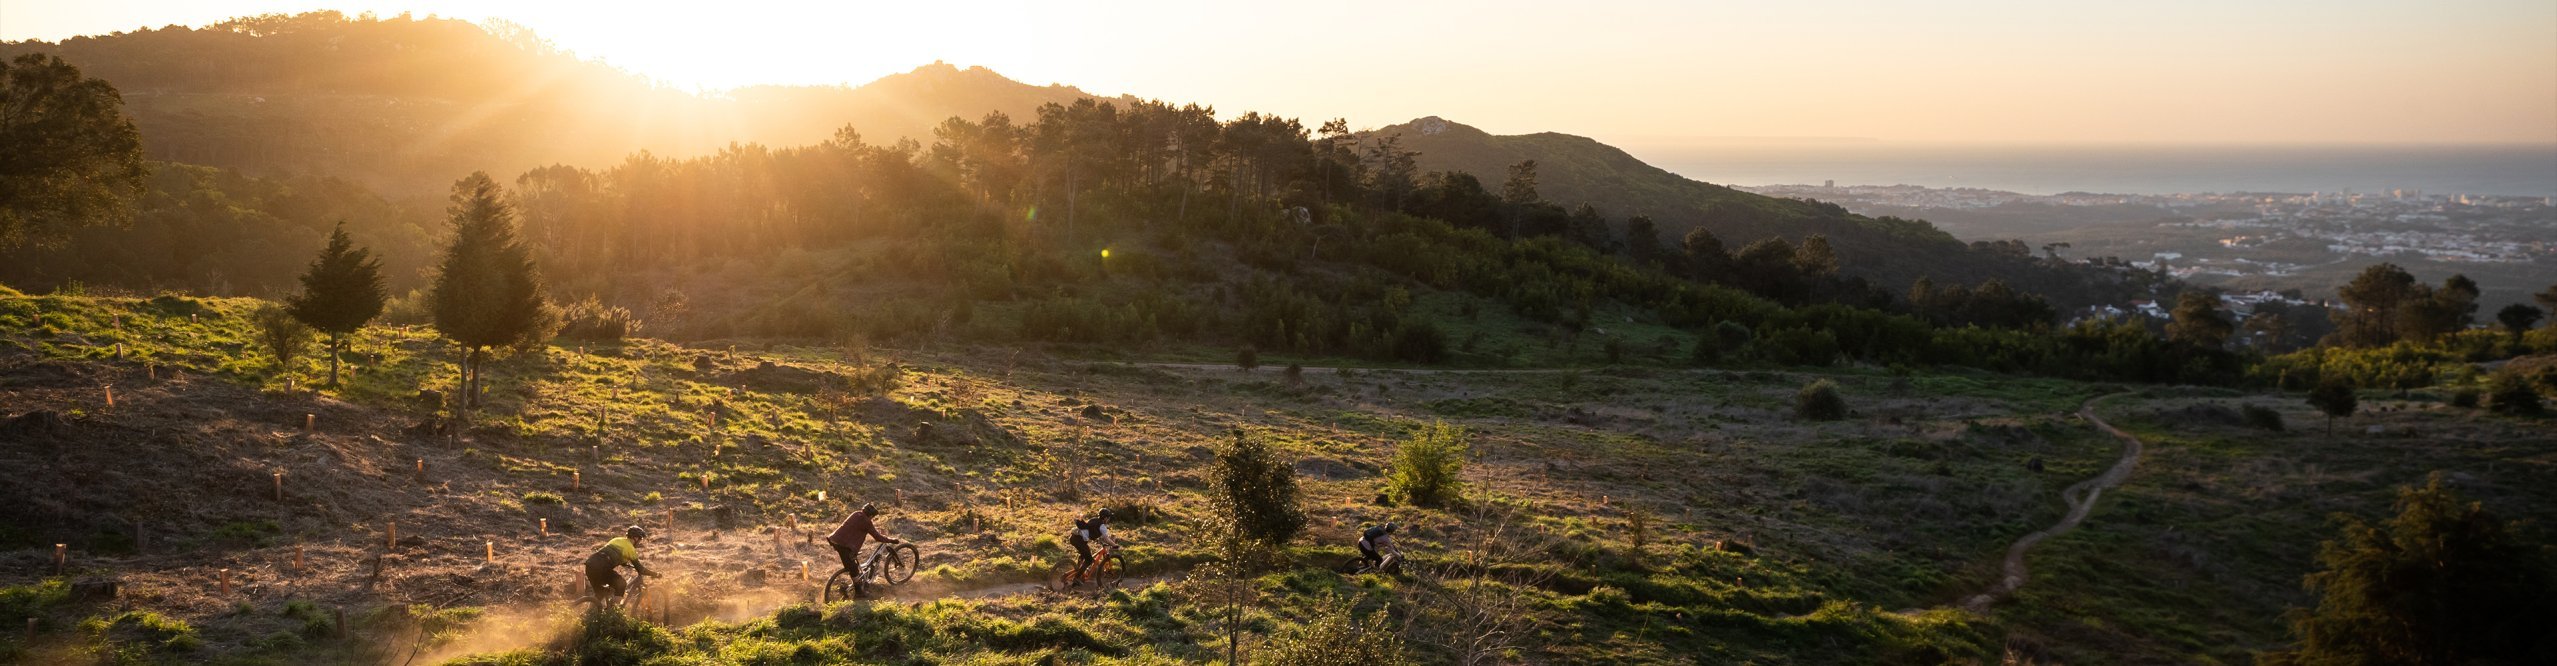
(292, 385)
(310, 422)
(297, 557)
(821, 496)
(225, 575)
(803, 571)
(119, 351)
(901, 497)
(61, 557)
(670, 520)
(705, 482)
(492, 551)
(154, 369)
(421, 467)
(395, 534)
(576, 480)
(545, 527)
(279, 486)
(110, 397)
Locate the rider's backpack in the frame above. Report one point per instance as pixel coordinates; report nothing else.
(1082, 529)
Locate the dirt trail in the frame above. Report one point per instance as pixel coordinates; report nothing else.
(2081, 498)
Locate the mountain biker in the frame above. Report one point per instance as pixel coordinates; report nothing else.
(1086, 533)
(847, 538)
(1375, 543)
(601, 576)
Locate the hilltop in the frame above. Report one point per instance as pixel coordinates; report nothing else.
(404, 104)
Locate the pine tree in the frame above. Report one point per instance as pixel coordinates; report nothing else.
(2443, 582)
(489, 294)
(340, 294)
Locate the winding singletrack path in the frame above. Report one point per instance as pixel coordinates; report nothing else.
(2081, 498)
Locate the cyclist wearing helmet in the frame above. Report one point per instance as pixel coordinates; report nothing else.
(848, 538)
(602, 580)
(1377, 542)
(1086, 533)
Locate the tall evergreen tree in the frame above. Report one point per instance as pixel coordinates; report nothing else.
(340, 294)
(2198, 321)
(73, 158)
(489, 293)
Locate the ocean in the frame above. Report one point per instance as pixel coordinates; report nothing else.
(2529, 170)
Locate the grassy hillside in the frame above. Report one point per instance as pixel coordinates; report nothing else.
(1763, 538)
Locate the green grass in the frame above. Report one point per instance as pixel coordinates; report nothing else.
(1905, 505)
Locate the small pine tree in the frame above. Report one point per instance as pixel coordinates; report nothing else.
(1257, 491)
(488, 294)
(340, 294)
(2335, 398)
(1247, 358)
(1427, 466)
(1819, 401)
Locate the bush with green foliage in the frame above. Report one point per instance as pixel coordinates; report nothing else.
(1335, 635)
(1257, 491)
(2263, 418)
(1247, 358)
(2509, 393)
(2443, 582)
(282, 336)
(591, 321)
(1427, 466)
(1819, 401)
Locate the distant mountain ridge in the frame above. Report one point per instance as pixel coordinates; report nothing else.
(406, 104)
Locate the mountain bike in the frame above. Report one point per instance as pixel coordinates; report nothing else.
(1393, 564)
(888, 564)
(597, 600)
(1108, 568)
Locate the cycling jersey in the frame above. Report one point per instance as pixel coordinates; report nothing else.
(617, 552)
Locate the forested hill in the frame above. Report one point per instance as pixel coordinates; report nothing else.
(1890, 253)
(404, 104)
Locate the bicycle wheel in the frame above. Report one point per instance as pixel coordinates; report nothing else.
(1062, 579)
(1108, 571)
(899, 564)
(841, 587)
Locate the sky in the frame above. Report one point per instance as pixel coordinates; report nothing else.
(1632, 72)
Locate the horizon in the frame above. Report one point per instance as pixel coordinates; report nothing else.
(2483, 72)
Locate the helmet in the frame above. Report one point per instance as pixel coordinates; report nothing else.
(635, 532)
(1105, 513)
(868, 508)
(1389, 528)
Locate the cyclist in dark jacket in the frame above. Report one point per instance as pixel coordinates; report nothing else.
(848, 537)
(1086, 533)
(1377, 542)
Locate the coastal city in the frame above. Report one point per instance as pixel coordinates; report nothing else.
(2247, 242)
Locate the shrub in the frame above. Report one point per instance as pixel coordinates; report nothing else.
(1247, 358)
(1426, 467)
(591, 320)
(279, 333)
(2508, 393)
(540, 497)
(2464, 398)
(2442, 582)
(1335, 636)
(2263, 418)
(1819, 401)
(1257, 491)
